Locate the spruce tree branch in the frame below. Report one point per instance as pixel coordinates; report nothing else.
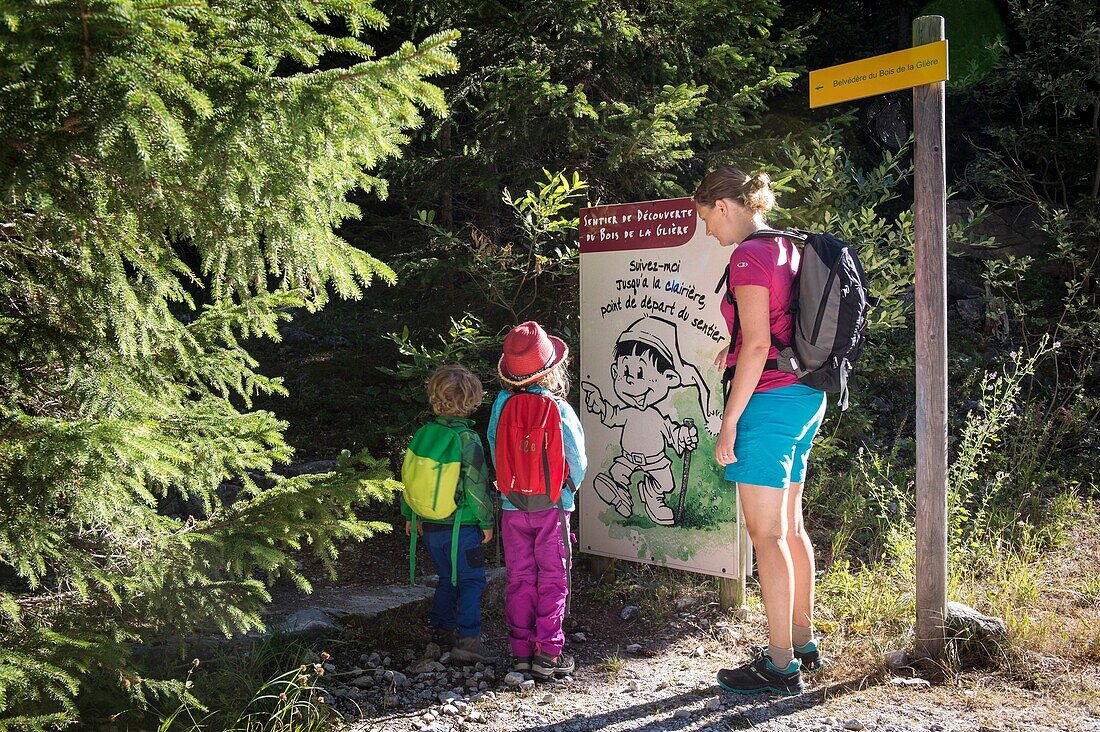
(69, 598)
(72, 123)
(371, 67)
(170, 6)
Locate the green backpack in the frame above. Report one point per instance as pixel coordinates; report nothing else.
(432, 474)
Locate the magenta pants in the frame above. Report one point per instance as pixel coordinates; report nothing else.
(534, 601)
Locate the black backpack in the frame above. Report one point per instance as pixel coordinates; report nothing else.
(829, 305)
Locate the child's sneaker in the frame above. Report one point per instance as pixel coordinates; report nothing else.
(522, 664)
(544, 666)
(760, 676)
(443, 637)
(470, 650)
(809, 655)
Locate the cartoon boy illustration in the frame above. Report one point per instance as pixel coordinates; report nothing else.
(647, 366)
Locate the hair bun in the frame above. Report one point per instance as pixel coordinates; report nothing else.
(753, 191)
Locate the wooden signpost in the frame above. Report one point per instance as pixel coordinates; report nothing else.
(924, 68)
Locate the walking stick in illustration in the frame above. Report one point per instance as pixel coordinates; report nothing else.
(688, 422)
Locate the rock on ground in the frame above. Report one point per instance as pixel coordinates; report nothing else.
(312, 622)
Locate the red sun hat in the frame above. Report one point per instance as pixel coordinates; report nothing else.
(529, 354)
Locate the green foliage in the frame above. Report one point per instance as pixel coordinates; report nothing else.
(466, 343)
(625, 91)
(1013, 506)
(1004, 486)
(1042, 102)
(872, 500)
(271, 685)
(544, 254)
(172, 174)
(976, 36)
(822, 185)
(532, 276)
(822, 188)
(1042, 154)
(1022, 423)
(1036, 305)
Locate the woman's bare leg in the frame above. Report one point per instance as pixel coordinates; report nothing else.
(766, 520)
(802, 561)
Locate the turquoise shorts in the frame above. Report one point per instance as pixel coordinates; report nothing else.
(774, 436)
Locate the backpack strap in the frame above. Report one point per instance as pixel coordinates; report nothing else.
(771, 364)
(412, 549)
(776, 233)
(844, 386)
(563, 521)
(724, 283)
(460, 502)
(455, 529)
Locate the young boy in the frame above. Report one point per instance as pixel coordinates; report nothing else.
(454, 393)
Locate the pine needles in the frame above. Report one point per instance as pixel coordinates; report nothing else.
(172, 175)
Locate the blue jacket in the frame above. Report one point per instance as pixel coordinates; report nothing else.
(572, 439)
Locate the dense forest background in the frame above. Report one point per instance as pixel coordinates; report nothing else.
(237, 236)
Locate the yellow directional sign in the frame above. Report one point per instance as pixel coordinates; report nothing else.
(879, 74)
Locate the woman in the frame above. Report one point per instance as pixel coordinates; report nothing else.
(769, 422)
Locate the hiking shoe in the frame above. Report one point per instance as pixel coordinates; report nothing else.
(443, 637)
(544, 666)
(760, 676)
(471, 650)
(522, 664)
(809, 655)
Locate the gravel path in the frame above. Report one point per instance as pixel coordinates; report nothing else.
(668, 685)
(676, 692)
(646, 657)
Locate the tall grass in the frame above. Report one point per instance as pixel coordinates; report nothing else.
(293, 701)
(272, 685)
(1022, 538)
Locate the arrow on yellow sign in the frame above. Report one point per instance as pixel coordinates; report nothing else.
(879, 74)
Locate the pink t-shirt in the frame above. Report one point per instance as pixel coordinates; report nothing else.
(770, 263)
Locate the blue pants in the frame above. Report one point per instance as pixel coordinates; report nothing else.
(457, 607)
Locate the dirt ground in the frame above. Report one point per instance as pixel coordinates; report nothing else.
(668, 683)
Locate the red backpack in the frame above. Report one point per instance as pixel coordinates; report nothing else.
(529, 452)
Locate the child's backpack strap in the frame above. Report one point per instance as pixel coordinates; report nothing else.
(567, 541)
(460, 502)
(412, 549)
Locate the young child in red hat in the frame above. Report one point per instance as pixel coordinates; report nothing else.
(538, 449)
